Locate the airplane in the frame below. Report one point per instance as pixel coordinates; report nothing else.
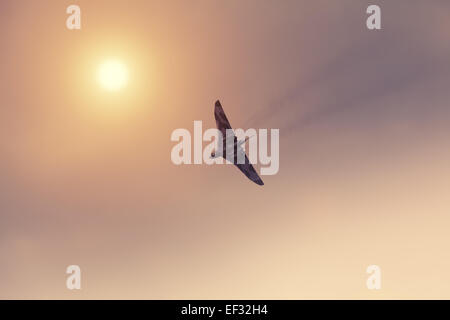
(223, 124)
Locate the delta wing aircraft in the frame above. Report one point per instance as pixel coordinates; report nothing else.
(223, 125)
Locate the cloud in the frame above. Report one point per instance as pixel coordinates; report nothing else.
(372, 66)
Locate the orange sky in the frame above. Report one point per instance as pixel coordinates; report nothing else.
(364, 150)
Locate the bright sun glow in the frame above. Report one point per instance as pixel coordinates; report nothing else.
(113, 75)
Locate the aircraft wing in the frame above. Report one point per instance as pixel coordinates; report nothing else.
(221, 119)
(248, 170)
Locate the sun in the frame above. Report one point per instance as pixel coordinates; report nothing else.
(113, 75)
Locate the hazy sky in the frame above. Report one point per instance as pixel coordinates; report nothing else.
(86, 175)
